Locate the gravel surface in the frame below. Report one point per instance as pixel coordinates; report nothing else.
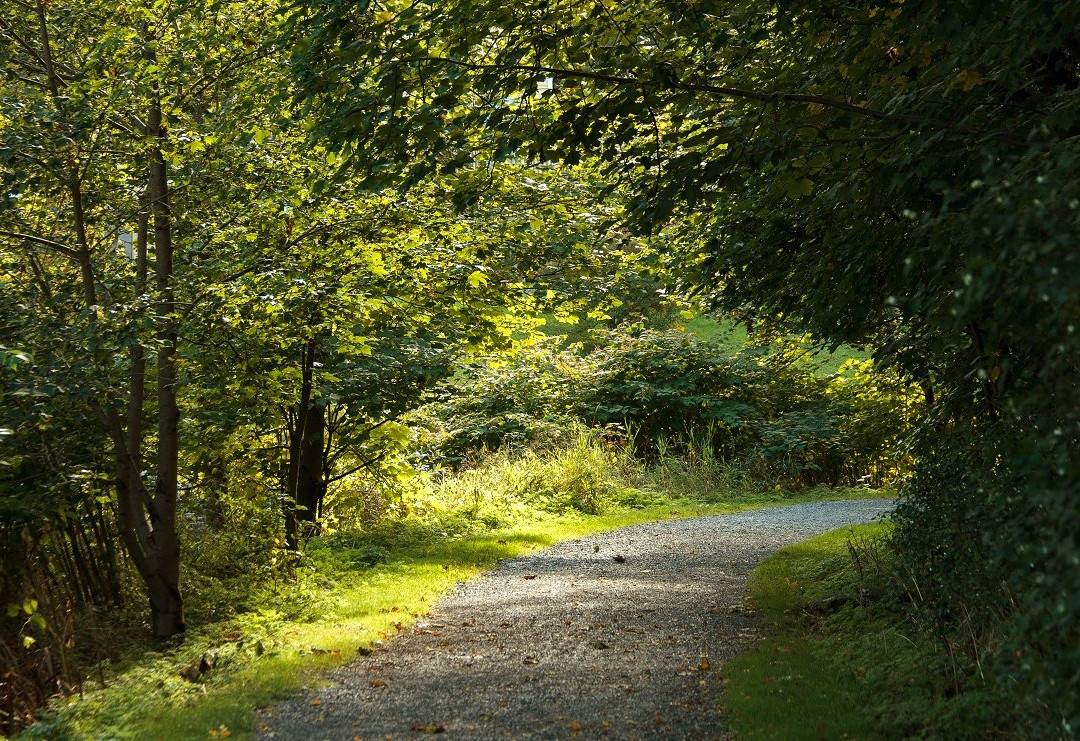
(617, 635)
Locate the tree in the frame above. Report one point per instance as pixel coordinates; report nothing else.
(177, 266)
(886, 172)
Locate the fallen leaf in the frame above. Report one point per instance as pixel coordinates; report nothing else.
(575, 726)
(335, 653)
(530, 660)
(316, 702)
(378, 682)
(501, 542)
(430, 727)
(528, 576)
(704, 665)
(618, 558)
(264, 726)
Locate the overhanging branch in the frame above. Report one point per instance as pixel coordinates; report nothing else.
(912, 121)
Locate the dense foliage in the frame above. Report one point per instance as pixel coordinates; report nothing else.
(894, 172)
(242, 241)
(199, 340)
(764, 410)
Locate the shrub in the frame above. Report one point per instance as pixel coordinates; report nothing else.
(989, 544)
(774, 418)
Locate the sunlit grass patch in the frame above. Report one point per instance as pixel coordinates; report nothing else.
(788, 686)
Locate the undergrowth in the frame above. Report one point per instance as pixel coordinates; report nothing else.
(351, 589)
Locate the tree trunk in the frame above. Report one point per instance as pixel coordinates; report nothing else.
(166, 603)
(146, 524)
(305, 484)
(310, 485)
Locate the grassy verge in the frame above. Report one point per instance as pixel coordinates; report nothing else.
(860, 671)
(359, 590)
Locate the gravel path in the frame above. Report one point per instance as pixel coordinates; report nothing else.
(616, 635)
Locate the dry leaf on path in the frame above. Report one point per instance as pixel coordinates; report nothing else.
(430, 727)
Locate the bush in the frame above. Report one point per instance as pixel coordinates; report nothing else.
(669, 391)
(990, 553)
(514, 401)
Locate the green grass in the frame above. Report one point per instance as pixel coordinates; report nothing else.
(788, 686)
(861, 672)
(266, 655)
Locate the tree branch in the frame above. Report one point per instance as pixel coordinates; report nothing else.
(726, 91)
(63, 249)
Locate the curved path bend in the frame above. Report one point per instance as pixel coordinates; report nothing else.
(616, 635)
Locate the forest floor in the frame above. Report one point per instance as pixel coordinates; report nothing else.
(616, 635)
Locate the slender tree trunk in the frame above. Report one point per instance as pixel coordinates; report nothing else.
(297, 439)
(146, 522)
(74, 184)
(989, 389)
(167, 605)
(310, 485)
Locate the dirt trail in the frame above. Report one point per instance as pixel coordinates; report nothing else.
(617, 635)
